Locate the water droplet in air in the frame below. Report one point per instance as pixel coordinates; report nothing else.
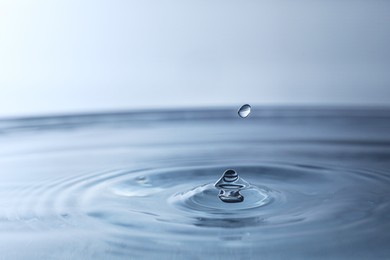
(230, 185)
(244, 111)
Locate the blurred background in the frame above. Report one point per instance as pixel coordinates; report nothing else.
(66, 56)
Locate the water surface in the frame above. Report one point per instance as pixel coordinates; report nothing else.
(141, 185)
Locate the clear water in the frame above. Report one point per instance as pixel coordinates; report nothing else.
(141, 185)
(244, 111)
(230, 186)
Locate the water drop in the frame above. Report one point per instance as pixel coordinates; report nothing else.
(230, 185)
(244, 111)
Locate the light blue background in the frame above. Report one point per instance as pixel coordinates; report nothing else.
(81, 56)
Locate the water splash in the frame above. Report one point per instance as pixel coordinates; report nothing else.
(244, 111)
(230, 185)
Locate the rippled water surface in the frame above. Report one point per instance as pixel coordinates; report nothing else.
(141, 185)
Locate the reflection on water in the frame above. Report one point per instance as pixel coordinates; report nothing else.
(141, 185)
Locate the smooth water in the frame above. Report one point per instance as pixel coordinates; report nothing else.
(142, 185)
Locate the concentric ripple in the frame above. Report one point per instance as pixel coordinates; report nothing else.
(276, 197)
(186, 196)
(143, 187)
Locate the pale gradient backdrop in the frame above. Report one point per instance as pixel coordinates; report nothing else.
(70, 56)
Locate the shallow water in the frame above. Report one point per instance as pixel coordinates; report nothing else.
(141, 185)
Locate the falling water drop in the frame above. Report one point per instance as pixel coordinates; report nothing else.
(230, 185)
(244, 111)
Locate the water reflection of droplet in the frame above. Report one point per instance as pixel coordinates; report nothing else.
(244, 111)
